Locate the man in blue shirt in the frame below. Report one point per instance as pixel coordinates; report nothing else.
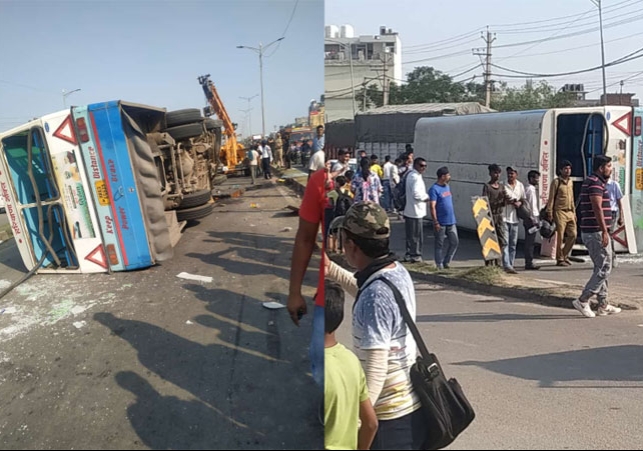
(444, 222)
(319, 140)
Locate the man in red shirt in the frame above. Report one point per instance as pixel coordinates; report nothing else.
(311, 215)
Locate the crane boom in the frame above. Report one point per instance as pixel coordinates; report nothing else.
(232, 152)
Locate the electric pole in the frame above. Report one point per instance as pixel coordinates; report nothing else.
(384, 81)
(489, 39)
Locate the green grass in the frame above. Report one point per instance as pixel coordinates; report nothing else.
(487, 275)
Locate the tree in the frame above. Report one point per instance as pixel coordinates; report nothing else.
(540, 95)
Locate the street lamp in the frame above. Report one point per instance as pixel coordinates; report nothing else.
(260, 51)
(350, 61)
(249, 99)
(65, 94)
(598, 4)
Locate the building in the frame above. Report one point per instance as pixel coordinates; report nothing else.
(352, 62)
(616, 99)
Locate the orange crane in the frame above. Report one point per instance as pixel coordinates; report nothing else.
(232, 152)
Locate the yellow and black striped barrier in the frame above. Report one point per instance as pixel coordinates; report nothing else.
(486, 229)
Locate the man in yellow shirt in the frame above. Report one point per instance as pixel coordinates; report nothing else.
(346, 398)
(375, 166)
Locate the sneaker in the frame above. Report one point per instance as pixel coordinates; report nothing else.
(511, 271)
(532, 268)
(609, 310)
(447, 266)
(584, 308)
(564, 264)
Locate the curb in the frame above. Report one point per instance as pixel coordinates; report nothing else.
(533, 295)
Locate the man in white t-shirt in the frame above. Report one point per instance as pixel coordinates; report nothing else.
(415, 210)
(515, 191)
(266, 159)
(389, 180)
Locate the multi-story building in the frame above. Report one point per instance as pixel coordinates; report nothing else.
(351, 63)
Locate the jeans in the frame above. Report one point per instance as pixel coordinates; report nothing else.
(414, 238)
(530, 242)
(316, 352)
(602, 259)
(509, 252)
(265, 162)
(450, 232)
(253, 173)
(408, 432)
(387, 197)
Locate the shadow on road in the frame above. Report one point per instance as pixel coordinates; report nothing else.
(614, 363)
(248, 397)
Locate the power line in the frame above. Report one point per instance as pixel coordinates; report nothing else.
(585, 21)
(570, 49)
(574, 34)
(556, 19)
(624, 59)
(447, 40)
(286, 29)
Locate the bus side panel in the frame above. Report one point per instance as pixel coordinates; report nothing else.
(636, 198)
(98, 190)
(114, 157)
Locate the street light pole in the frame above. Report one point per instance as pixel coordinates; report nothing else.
(249, 99)
(65, 94)
(260, 51)
(599, 5)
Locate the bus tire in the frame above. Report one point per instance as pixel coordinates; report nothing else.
(192, 214)
(195, 199)
(186, 131)
(182, 117)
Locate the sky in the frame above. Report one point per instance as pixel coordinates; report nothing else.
(152, 51)
(443, 34)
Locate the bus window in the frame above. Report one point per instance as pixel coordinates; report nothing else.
(17, 154)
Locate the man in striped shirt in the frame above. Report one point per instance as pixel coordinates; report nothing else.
(596, 219)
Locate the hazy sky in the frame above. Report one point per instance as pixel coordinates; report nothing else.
(442, 35)
(152, 51)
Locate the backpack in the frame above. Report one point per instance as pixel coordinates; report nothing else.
(343, 203)
(399, 193)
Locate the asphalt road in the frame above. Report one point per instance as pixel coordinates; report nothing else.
(146, 360)
(538, 377)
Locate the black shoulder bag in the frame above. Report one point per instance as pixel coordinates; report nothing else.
(447, 410)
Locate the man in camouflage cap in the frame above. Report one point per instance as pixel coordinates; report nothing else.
(367, 220)
(381, 335)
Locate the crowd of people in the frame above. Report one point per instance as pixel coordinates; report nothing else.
(370, 400)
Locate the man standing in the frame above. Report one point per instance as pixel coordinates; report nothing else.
(311, 216)
(444, 222)
(495, 192)
(616, 203)
(388, 183)
(596, 219)
(415, 211)
(279, 151)
(341, 166)
(320, 139)
(516, 193)
(407, 158)
(531, 230)
(562, 209)
(382, 340)
(253, 156)
(266, 159)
